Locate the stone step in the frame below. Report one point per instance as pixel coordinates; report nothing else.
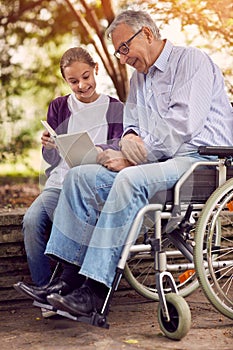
(13, 262)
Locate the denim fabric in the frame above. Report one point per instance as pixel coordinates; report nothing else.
(37, 224)
(96, 210)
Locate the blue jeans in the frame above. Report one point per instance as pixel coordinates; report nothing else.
(37, 223)
(96, 210)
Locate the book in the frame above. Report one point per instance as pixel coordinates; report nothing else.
(75, 148)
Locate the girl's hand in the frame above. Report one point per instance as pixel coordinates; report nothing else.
(47, 141)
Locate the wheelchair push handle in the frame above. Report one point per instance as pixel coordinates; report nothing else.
(220, 151)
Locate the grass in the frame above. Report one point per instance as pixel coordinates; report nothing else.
(30, 169)
(11, 179)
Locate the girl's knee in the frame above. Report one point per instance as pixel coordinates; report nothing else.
(32, 220)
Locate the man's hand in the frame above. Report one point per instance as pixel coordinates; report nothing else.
(47, 141)
(113, 160)
(133, 149)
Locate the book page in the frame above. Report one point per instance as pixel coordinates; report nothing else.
(49, 128)
(75, 148)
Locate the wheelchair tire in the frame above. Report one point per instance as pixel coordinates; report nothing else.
(139, 273)
(213, 253)
(180, 317)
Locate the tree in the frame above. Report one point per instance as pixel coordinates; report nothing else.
(46, 23)
(40, 28)
(210, 20)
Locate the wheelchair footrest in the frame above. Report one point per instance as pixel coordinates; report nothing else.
(94, 319)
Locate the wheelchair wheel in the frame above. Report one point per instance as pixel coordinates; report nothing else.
(180, 317)
(213, 254)
(140, 274)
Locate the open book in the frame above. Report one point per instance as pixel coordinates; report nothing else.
(75, 148)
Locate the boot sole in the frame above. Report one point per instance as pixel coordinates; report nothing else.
(28, 294)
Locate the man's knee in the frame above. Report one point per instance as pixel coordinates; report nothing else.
(132, 176)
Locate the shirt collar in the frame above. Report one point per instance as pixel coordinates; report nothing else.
(162, 60)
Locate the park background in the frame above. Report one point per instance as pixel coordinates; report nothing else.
(33, 36)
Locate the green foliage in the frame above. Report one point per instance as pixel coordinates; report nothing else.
(33, 36)
(206, 23)
(16, 148)
(35, 33)
(29, 71)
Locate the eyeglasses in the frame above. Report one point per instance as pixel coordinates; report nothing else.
(123, 49)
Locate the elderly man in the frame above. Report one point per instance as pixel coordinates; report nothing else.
(177, 102)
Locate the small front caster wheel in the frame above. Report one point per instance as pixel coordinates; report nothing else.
(180, 317)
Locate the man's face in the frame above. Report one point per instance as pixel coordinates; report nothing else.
(138, 56)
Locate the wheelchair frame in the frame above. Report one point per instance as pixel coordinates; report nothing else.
(176, 210)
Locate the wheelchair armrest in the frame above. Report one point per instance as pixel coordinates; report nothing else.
(220, 151)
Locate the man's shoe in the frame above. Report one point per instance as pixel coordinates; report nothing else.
(82, 301)
(40, 293)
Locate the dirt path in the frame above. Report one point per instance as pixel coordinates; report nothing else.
(17, 193)
(133, 320)
(133, 325)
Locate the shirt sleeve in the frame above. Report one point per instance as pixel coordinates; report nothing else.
(131, 111)
(115, 125)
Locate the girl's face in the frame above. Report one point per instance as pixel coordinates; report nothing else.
(80, 78)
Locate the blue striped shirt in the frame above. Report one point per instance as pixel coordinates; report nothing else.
(180, 104)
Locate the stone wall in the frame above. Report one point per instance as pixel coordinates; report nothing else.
(13, 262)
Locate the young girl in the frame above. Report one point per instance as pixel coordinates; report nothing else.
(83, 109)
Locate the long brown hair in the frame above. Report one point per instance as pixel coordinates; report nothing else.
(75, 54)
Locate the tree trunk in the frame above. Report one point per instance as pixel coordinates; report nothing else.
(115, 70)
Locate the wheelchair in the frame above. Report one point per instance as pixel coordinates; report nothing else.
(188, 243)
(197, 184)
